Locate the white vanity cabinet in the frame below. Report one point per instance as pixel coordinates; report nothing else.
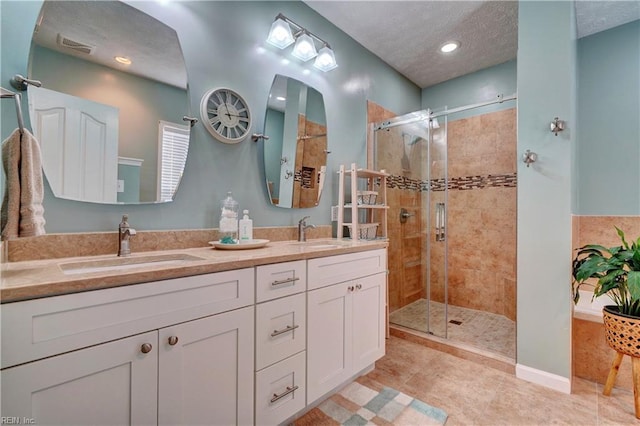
(177, 352)
(205, 371)
(281, 340)
(249, 346)
(346, 318)
(111, 383)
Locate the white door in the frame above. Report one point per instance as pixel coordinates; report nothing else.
(79, 143)
(206, 376)
(329, 344)
(108, 384)
(369, 301)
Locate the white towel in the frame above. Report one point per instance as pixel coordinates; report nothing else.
(22, 213)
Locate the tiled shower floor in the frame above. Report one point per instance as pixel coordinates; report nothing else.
(482, 330)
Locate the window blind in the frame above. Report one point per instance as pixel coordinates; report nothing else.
(174, 145)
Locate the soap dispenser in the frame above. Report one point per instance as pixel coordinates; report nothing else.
(246, 228)
(228, 227)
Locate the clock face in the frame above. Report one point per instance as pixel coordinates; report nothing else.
(225, 115)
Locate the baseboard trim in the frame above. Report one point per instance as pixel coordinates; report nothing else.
(543, 378)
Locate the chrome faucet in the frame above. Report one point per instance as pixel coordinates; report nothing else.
(302, 227)
(125, 232)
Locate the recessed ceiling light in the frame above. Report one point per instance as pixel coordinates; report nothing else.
(123, 60)
(449, 46)
(281, 98)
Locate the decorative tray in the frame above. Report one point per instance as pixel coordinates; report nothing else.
(240, 246)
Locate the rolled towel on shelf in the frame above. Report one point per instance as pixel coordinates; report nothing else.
(22, 213)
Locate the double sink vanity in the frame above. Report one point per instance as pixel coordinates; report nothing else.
(191, 336)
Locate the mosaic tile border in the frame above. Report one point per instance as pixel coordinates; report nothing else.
(463, 183)
(305, 177)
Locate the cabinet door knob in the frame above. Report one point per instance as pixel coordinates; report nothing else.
(173, 340)
(351, 288)
(358, 286)
(146, 348)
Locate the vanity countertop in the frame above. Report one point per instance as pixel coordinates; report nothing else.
(43, 278)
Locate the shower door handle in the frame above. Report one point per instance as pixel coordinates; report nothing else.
(440, 222)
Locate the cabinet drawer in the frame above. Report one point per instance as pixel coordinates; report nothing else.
(335, 269)
(38, 328)
(281, 279)
(280, 329)
(280, 390)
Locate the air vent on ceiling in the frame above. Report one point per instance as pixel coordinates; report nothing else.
(76, 45)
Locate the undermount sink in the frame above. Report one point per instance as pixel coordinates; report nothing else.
(322, 244)
(124, 263)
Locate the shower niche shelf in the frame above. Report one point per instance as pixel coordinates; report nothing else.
(365, 204)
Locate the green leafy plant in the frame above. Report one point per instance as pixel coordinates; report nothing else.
(616, 271)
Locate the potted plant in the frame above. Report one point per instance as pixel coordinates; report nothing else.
(617, 271)
(617, 274)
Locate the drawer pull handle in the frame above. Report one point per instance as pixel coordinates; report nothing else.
(286, 281)
(146, 348)
(351, 288)
(173, 340)
(358, 286)
(284, 330)
(290, 389)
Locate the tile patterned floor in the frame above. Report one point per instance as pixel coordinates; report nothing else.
(483, 330)
(473, 394)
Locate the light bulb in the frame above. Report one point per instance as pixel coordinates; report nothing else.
(280, 34)
(449, 47)
(304, 48)
(326, 60)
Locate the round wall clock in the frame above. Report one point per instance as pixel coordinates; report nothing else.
(226, 115)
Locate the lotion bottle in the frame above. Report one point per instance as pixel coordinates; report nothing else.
(246, 228)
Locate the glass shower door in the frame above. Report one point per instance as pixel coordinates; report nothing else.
(435, 227)
(415, 157)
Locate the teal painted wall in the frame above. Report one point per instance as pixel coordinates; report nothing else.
(481, 86)
(546, 88)
(131, 177)
(608, 150)
(274, 128)
(224, 46)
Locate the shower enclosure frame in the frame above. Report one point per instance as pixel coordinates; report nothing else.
(428, 116)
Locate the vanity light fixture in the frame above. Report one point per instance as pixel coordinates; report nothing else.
(304, 48)
(326, 60)
(449, 46)
(123, 60)
(281, 36)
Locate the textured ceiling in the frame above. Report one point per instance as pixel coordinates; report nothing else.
(408, 34)
(596, 16)
(114, 28)
(404, 34)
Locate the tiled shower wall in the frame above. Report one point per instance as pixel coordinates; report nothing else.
(406, 262)
(311, 155)
(481, 214)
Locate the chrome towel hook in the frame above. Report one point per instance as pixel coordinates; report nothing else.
(529, 157)
(192, 121)
(557, 125)
(257, 136)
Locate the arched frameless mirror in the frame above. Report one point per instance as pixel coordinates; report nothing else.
(295, 156)
(109, 114)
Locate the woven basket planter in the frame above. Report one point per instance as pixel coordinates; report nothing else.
(622, 331)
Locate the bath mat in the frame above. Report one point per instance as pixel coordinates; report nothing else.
(357, 404)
